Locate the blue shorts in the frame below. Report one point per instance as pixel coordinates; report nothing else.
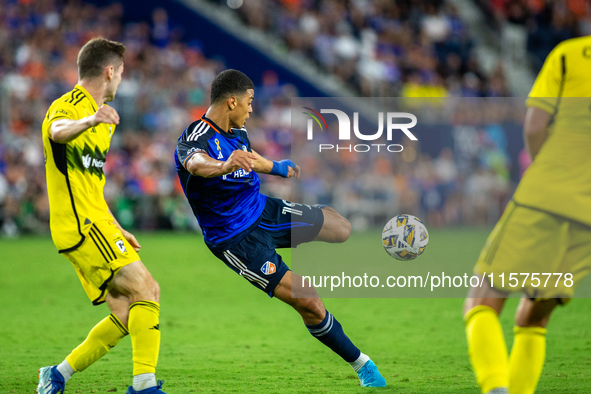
(283, 224)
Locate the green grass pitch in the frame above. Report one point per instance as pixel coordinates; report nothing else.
(221, 335)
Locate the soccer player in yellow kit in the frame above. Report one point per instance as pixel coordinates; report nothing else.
(77, 132)
(546, 228)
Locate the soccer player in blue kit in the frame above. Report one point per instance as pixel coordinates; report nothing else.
(242, 227)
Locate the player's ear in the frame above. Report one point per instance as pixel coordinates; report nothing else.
(232, 102)
(110, 72)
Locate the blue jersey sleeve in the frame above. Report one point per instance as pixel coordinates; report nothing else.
(186, 149)
(191, 143)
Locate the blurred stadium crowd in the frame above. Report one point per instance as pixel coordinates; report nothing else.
(381, 48)
(540, 24)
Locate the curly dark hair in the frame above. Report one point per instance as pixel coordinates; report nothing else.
(228, 83)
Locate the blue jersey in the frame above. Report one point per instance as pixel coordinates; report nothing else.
(227, 205)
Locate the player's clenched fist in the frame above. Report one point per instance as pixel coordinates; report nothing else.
(294, 171)
(105, 114)
(239, 159)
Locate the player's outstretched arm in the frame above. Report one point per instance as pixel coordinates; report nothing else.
(535, 130)
(66, 130)
(284, 168)
(201, 164)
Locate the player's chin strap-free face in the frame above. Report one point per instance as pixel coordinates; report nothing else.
(281, 168)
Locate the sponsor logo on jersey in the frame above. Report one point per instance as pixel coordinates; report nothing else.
(220, 156)
(268, 268)
(88, 161)
(194, 150)
(62, 112)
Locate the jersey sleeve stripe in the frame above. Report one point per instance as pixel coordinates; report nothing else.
(210, 125)
(196, 130)
(59, 117)
(194, 136)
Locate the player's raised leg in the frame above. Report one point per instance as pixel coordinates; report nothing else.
(326, 328)
(335, 229)
(529, 344)
(486, 343)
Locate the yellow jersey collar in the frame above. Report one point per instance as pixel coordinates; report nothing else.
(88, 96)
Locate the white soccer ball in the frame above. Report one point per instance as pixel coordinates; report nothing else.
(405, 237)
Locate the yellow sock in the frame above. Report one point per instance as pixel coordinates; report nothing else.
(527, 359)
(487, 349)
(105, 335)
(145, 335)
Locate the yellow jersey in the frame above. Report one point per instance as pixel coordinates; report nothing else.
(74, 171)
(559, 179)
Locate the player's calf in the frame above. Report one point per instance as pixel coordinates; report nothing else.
(311, 309)
(327, 329)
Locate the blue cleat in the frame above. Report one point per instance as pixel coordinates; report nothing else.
(369, 376)
(151, 390)
(51, 381)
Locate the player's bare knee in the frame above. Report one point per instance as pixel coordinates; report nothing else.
(341, 230)
(152, 290)
(310, 308)
(532, 313)
(155, 291)
(146, 289)
(345, 229)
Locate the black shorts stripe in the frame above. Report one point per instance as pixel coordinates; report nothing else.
(101, 234)
(98, 247)
(73, 247)
(101, 242)
(118, 324)
(103, 289)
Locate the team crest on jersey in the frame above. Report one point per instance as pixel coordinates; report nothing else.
(268, 268)
(121, 246)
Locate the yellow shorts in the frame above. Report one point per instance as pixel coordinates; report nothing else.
(528, 244)
(99, 258)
